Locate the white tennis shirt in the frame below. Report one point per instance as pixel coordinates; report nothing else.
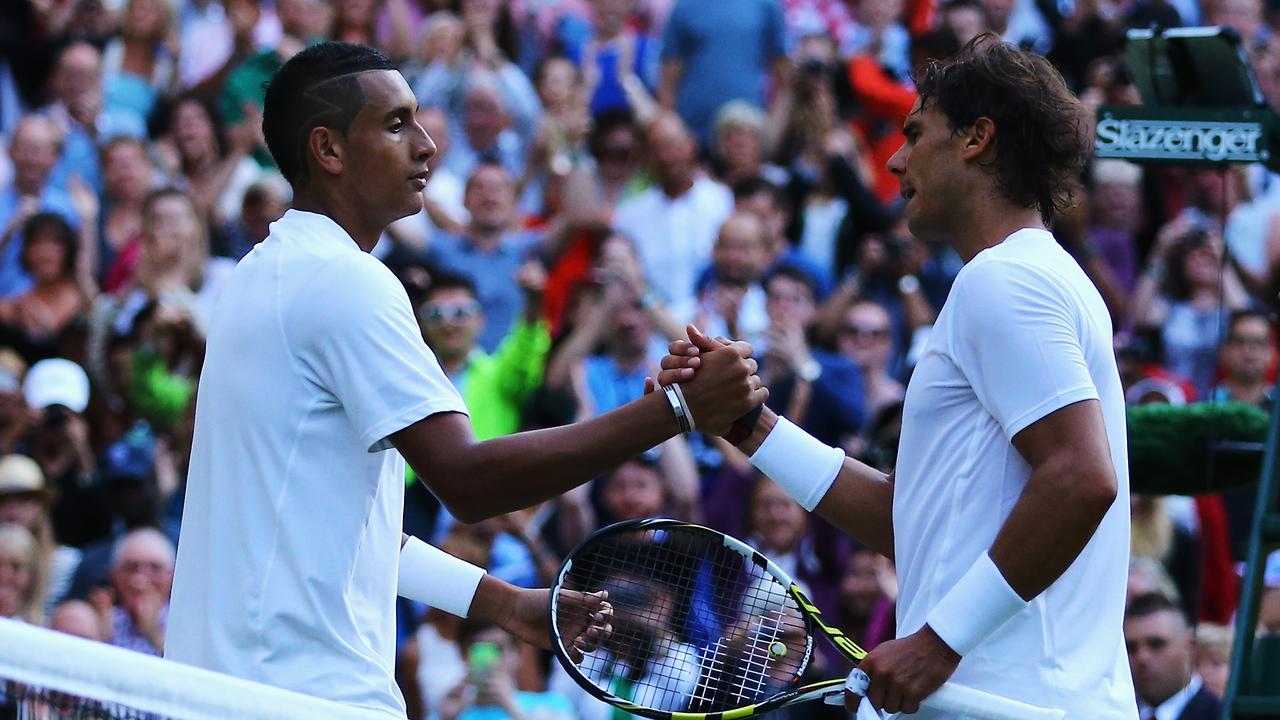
(288, 558)
(1022, 334)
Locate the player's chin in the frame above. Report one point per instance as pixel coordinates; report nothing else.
(410, 203)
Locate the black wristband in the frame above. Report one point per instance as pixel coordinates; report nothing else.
(743, 426)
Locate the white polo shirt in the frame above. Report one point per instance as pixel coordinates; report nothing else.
(674, 236)
(1022, 334)
(287, 563)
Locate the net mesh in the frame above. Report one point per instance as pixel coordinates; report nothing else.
(697, 625)
(50, 676)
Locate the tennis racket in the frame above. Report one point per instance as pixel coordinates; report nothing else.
(707, 628)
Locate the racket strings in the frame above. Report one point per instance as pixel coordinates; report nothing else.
(757, 660)
(697, 627)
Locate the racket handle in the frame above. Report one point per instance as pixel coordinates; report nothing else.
(961, 700)
(964, 700)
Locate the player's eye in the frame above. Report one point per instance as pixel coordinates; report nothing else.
(397, 126)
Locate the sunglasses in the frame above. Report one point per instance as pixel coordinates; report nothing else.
(878, 333)
(438, 312)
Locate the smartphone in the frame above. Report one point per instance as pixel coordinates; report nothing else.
(483, 657)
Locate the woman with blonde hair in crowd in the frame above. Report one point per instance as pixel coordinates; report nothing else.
(1157, 536)
(173, 266)
(1147, 576)
(22, 580)
(140, 66)
(25, 499)
(1213, 656)
(169, 293)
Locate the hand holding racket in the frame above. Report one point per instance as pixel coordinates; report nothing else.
(705, 627)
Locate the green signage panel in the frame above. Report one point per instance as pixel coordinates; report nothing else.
(1187, 136)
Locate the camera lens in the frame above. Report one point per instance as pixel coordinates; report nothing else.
(56, 416)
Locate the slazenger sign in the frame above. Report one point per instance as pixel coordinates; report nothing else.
(1185, 140)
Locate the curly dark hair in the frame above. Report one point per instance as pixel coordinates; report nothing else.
(1041, 141)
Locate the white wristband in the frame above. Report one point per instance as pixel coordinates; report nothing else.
(801, 464)
(979, 603)
(433, 576)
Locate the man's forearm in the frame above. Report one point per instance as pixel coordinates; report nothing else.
(477, 480)
(859, 502)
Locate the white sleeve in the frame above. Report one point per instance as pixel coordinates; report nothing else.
(357, 333)
(1016, 338)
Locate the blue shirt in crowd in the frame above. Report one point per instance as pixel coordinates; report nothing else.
(493, 274)
(726, 48)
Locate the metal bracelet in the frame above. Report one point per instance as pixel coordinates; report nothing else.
(677, 407)
(688, 412)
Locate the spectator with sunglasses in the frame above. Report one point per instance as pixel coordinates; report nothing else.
(866, 338)
(494, 387)
(489, 250)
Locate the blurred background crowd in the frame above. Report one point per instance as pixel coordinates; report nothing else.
(608, 170)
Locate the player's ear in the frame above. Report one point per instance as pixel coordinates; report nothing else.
(325, 148)
(979, 138)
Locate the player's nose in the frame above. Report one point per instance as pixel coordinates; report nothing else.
(425, 148)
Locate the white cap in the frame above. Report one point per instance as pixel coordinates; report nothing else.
(20, 474)
(56, 382)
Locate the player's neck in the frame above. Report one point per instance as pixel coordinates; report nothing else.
(324, 201)
(989, 224)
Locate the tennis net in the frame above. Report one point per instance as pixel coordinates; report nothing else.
(46, 675)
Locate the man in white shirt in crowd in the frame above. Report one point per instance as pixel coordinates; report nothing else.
(1007, 515)
(291, 554)
(674, 223)
(1161, 649)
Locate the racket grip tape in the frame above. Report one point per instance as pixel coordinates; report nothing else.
(962, 700)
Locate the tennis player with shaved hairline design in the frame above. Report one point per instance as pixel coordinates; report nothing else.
(291, 554)
(1007, 515)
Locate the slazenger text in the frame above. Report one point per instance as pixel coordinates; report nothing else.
(1178, 140)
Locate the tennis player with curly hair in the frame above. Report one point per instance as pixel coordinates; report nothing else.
(1007, 514)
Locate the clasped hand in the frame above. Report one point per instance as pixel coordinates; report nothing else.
(718, 378)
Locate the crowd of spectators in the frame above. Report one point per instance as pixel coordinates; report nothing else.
(607, 171)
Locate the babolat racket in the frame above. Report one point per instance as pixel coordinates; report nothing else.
(707, 628)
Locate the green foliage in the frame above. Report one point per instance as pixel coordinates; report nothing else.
(1170, 447)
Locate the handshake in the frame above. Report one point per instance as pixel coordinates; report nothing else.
(712, 385)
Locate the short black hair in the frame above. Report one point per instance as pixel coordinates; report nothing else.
(1238, 316)
(1148, 604)
(756, 184)
(794, 273)
(604, 125)
(317, 87)
(56, 226)
(449, 281)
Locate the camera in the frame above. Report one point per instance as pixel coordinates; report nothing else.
(814, 67)
(56, 416)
